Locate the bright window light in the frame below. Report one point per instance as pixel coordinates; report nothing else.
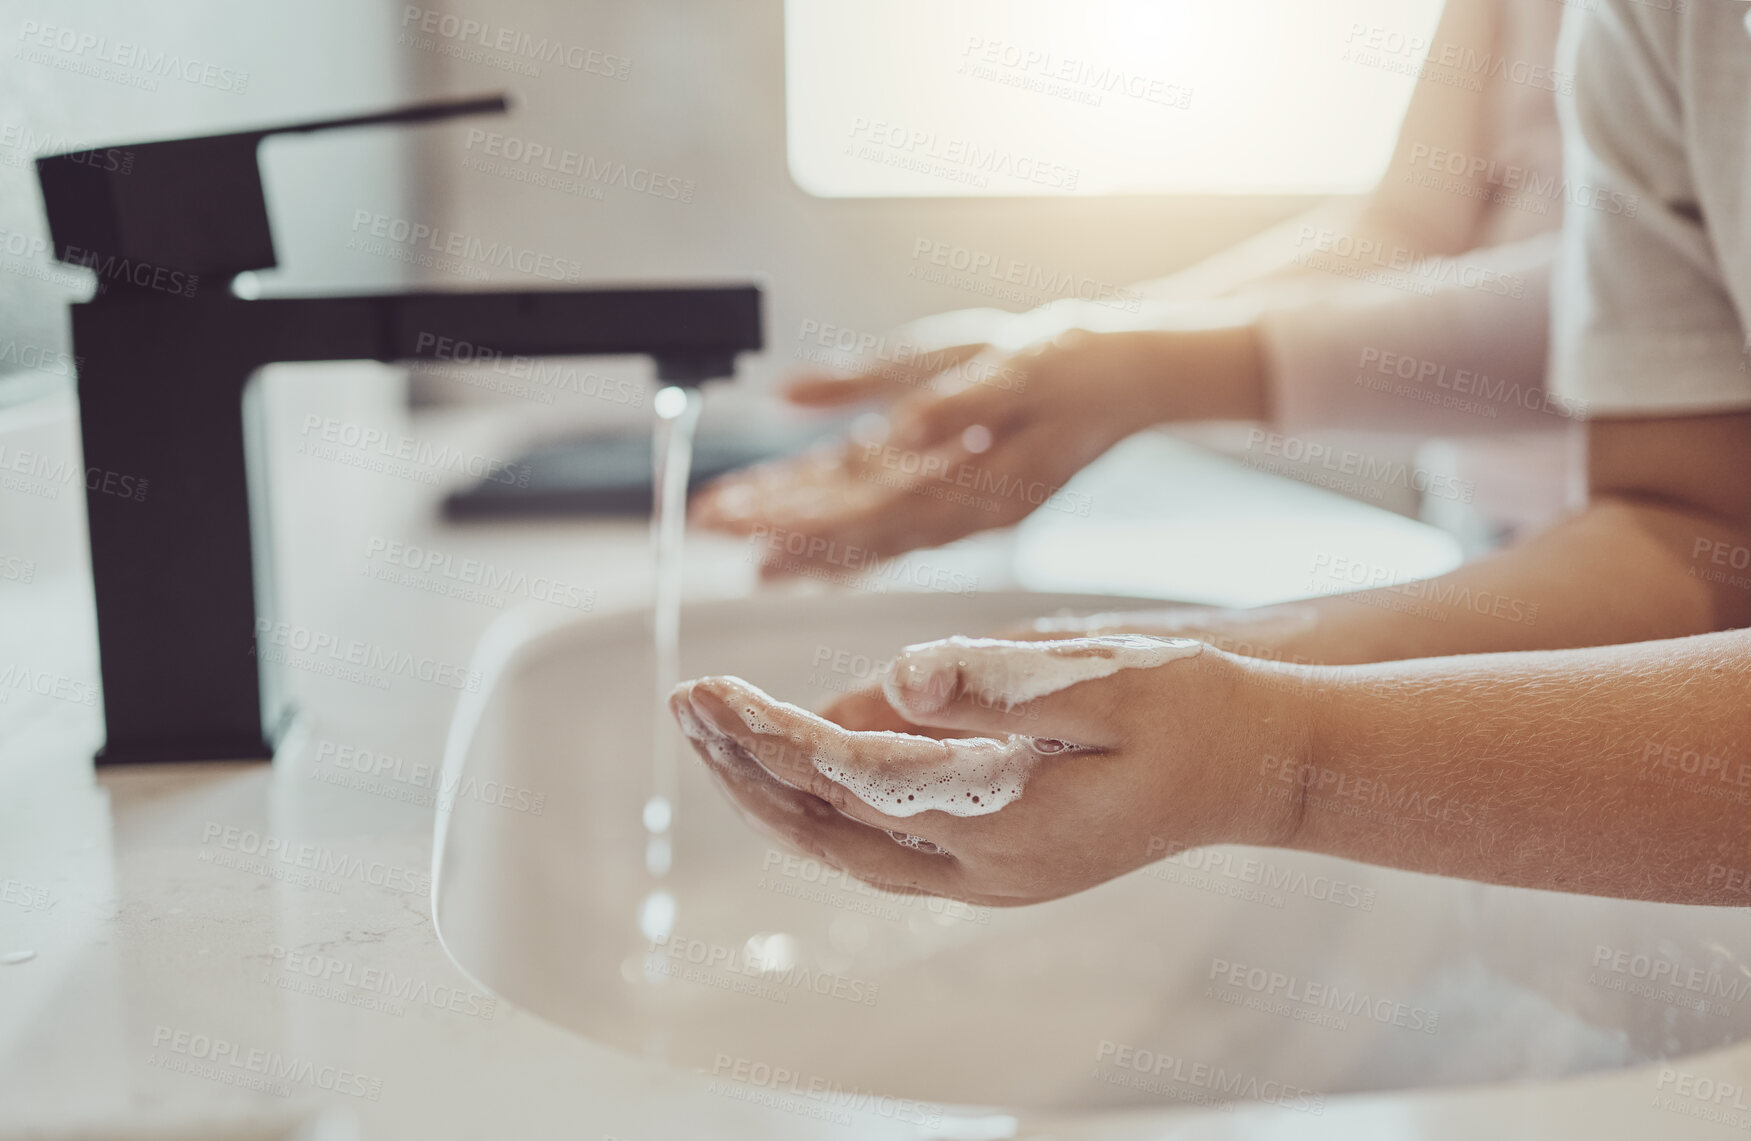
(933, 98)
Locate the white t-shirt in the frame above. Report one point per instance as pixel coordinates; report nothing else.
(1653, 286)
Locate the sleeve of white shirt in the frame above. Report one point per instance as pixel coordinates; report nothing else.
(1642, 322)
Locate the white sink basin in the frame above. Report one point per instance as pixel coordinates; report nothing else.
(1239, 975)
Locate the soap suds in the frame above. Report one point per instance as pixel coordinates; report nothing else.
(754, 719)
(1008, 674)
(969, 776)
(898, 774)
(725, 752)
(1265, 625)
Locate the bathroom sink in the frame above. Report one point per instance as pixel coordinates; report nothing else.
(1221, 974)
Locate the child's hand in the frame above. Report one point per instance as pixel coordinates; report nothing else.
(992, 437)
(1060, 793)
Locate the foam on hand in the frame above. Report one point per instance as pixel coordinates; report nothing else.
(899, 774)
(925, 677)
(973, 776)
(904, 774)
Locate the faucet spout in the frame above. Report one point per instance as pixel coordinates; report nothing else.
(183, 577)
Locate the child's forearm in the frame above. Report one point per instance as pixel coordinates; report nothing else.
(1621, 770)
(1619, 572)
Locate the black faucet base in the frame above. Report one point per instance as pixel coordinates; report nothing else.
(181, 560)
(218, 749)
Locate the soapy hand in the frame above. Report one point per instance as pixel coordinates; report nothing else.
(1091, 757)
(1290, 632)
(977, 438)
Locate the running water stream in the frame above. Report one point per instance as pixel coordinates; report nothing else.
(672, 460)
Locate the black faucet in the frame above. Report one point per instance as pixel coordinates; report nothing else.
(166, 353)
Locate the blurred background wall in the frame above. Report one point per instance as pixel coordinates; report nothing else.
(674, 111)
(95, 72)
(703, 101)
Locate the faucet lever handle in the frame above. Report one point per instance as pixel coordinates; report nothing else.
(195, 207)
(413, 113)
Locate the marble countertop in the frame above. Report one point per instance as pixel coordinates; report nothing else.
(159, 979)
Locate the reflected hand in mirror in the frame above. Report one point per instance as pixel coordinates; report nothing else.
(974, 436)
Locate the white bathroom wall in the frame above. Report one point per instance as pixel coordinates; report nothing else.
(681, 101)
(98, 72)
(693, 92)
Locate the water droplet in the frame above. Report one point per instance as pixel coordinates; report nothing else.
(13, 958)
(659, 856)
(870, 429)
(656, 916)
(771, 952)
